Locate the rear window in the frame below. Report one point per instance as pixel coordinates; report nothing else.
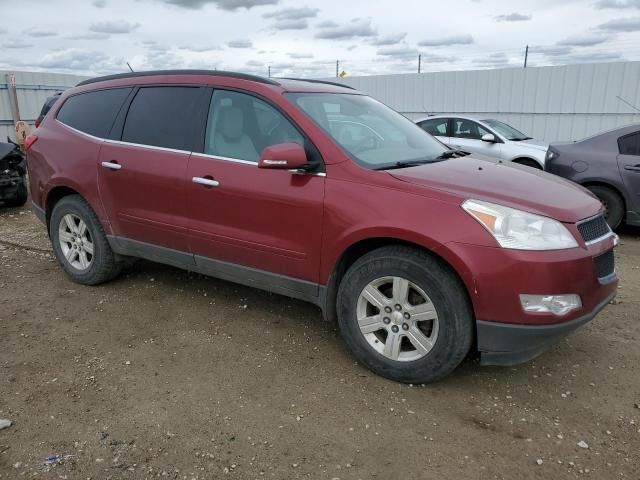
(162, 117)
(630, 144)
(93, 112)
(436, 126)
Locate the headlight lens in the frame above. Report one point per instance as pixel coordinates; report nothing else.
(551, 155)
(520, 230)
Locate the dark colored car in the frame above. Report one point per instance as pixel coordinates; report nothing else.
(48, 103)
(13, 171)
(608, 164)
(421, 253)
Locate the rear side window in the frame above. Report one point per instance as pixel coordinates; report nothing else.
(436, 126)
(162, 117)
(629, 144)
(93, 112)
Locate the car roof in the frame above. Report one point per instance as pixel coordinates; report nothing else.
(285, 84)
(448, 115)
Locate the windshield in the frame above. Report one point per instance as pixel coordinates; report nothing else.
(507, 131)
(374, 135)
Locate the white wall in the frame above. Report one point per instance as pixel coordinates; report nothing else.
(549, 103)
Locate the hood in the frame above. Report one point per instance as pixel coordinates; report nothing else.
(532, 143)
(505, 183)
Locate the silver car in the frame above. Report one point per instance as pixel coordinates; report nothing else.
(487, 137)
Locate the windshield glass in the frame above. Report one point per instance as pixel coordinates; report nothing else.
(507, 131)
(373, 134)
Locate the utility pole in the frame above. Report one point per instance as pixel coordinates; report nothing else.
(269, 71)
(526, 56)
(419, 62)
(129, 67)
(337, 68)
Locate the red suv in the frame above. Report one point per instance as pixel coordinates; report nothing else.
(316, 191)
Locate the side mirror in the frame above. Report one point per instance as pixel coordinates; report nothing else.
(489, 138)
(283, 156)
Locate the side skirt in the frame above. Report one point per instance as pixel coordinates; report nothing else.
(251, 277)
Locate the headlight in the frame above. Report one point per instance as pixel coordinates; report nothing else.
(550, 155)
(520, 230)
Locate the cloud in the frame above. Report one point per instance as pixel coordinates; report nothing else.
(229, 5)
(255, 63)
(494, 60)
(14, 44)
(242, 43)
(79, 59)
(617, 4)
(551, 51)
(3, 30)
(201, 49)
(113, 26)
(327, 24)
(402, 50)
(358, 27)
(298, 56)
(587, 40)
(512, 17)
(99, 3)
(293, 13)
(37, 32)
(445, 41)
(290, 24)
(88, 36)
(389, 39)
(621, 25)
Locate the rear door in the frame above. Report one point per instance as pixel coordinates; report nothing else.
(248, 221)
(629, 165)
(467, 135)
(142, 169)
(438, 127)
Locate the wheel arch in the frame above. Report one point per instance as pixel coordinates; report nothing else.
(521, 160)
(358, 248)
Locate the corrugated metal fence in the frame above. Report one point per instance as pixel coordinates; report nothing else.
(548, 103)
(32, 89)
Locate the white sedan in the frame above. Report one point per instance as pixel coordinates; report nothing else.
(487, 137)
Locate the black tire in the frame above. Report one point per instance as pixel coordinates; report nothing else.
(20, 197)
(613, 204)
(104, 264)
(527, 162)
(447, 293)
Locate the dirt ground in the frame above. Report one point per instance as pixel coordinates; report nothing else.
(167, 374)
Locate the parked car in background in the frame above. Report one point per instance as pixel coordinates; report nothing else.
(13, 172)
(487, 137)
(48, 103)
(319, 192)
(608, 164)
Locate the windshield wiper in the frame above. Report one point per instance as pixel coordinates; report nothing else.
(452, 154)
(415, 162)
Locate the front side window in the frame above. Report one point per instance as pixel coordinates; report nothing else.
(92, 112)
(469, 129)
(241, 126)
(373, 135)
(629, 144)
(507, 131)
(162, 117)
(436, 127)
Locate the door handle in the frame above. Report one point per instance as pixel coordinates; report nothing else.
(112, 165)
(207, 182)
(634, 168)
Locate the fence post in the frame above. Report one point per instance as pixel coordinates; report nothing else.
(13, 97)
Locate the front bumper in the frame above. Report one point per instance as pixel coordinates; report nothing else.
(511, 344)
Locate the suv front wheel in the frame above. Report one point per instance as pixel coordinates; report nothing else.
(405, 315)
(80, 244)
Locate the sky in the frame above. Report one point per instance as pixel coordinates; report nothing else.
(306, 38)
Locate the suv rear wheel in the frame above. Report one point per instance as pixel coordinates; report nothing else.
(80, 244)
(405, 315)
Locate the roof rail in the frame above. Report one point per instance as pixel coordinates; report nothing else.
(220, 73)
(336, 84)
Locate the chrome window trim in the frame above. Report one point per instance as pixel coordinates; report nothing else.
(226, 159)
(88, 135)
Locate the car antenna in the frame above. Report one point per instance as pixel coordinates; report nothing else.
(129, 67)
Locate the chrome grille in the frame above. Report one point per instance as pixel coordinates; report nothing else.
(605, 264)
(593, 229)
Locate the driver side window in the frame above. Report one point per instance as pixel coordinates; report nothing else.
(469, 129)
(240, 127)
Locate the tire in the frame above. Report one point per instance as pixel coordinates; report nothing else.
(100, 266)
(20, 197)
(527, 162)
(451, 333)
(613, 204)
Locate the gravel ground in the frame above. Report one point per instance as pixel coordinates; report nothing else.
(166, 374)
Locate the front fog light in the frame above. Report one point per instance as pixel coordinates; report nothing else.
(556, 304)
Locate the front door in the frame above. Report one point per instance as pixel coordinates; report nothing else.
(629, 165)
(259, 223)
(142, 176)
(467, 135)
